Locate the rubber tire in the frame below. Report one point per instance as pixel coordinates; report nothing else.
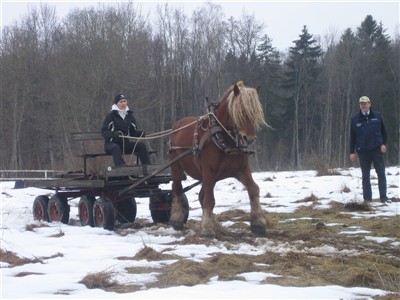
(103, 214)
(39, 209)
(162, 216)
(58, 209)
(126, 210)
(85, 210)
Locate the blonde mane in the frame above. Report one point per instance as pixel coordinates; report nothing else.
(246, 109)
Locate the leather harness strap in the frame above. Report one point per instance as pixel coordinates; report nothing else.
(215, 132)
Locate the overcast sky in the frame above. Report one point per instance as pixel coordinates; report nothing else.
(284, 20)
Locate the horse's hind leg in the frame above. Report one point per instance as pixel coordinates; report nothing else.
(177, 216)
(258, 221)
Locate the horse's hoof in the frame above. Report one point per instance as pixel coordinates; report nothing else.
(177, 226)
(207, 234)
(258, 230)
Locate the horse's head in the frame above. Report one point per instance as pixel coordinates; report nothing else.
(245, 110)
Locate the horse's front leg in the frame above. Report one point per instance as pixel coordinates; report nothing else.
(207, 200)
(258, 222)
(177, 216)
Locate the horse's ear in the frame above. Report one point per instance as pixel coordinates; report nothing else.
(236, 90)
(258, 89)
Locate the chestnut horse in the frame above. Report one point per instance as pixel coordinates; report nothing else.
(218, 142)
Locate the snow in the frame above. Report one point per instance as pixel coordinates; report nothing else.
(83, 250)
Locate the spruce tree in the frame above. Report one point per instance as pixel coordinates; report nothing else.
(301, 81)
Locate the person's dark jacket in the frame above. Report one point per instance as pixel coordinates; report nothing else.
(367, 132)
(114, 122)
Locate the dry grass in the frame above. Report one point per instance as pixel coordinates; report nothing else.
(190, 273)
(32, 227)
(14, 260)
(23, 274)
(184, 272)
(365, 264)
(311, 198)
(150, 254)
(105, 280)
(365, 270)
(99, 280)
(353, 261)
(295, 269)
(391, 296)
(357, 206)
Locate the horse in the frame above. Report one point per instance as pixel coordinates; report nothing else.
(214, 147)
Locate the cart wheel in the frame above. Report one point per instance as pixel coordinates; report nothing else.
(58, 209)
(40, 205)
(103, 214)
(162, 216)
(126, 210)
(160, 206)
(85, 210)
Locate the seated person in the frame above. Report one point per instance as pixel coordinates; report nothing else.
(121, 122)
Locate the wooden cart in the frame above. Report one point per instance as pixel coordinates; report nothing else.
(105, 198)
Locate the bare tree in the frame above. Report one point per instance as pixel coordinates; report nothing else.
(208, 48)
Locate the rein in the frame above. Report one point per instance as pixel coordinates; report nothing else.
(168, 132)
(160, 134)
(213, 132)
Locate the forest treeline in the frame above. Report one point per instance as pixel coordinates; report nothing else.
(60, 76)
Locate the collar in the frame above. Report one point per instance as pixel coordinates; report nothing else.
(369, 114)
(115, 107)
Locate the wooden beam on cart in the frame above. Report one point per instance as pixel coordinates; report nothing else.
(154, 173)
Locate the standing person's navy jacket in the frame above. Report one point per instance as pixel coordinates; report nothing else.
(367, 132)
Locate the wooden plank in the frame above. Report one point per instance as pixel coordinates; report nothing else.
(134, 171)
(85, 136)
(62, 183)
(28, 174)
(93, 155)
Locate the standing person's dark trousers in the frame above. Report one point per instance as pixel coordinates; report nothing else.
(116, 151)
(366, 158)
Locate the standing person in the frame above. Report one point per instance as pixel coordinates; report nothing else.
(368, 139)
(121, 122)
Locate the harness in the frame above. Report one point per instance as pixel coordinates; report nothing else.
(215, 131)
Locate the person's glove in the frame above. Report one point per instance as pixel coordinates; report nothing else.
(117, 135)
